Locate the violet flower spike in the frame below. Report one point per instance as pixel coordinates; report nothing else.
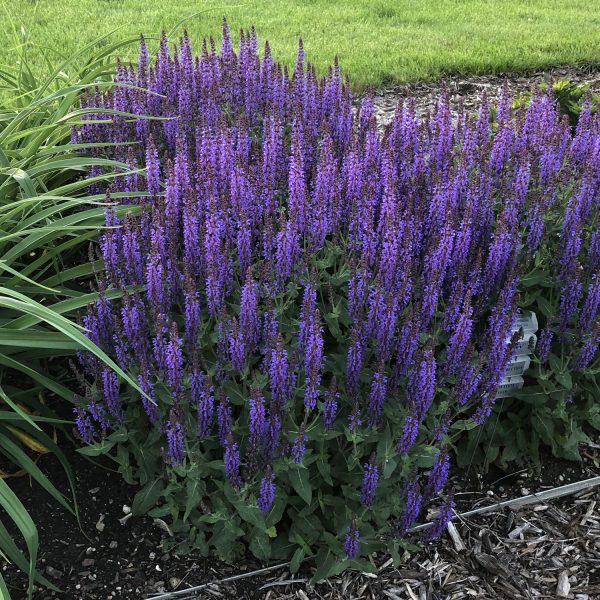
(351, 542)
(369, 485)
(267, 491)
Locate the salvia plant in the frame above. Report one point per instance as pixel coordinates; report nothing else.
(317, 310)
(560, 402)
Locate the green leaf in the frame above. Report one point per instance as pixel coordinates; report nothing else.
(545, 307)
(426, 456)
(328, 564)
(275, 512)
(386, 445)
(97, 449)
(389, 467)
(510, 453)
(534, 278)
(300, 480)
(20, 458)
(260, 545)
(463, 425)
(147, 497)
(4, 593)
(296, 561)
(324, 469)
(195, 490)
(16, 511)
(21, 303)
(224, 539)
(249, 512)
(565, 379)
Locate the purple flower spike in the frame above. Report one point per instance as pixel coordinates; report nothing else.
(175, 454)
(369, 485)
(110, 391)
(258, 420)
(267, 491)
(204, 397)
(330, 406)
(85, 428)
(249, 319)
(445, 515)
(377, 396)
(409, 434)
(174, 362)
(351, 543)
(299, 447)
(544, 343)
(224, 418)
(438, 475)
(232, 462)
(412, 507)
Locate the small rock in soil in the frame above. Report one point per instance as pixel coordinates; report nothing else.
(100, 525)
(55, 573)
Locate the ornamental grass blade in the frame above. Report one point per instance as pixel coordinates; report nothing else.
(21, 303)
(19, 457)
(19, 515)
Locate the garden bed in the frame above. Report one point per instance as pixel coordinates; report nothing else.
(532, 545)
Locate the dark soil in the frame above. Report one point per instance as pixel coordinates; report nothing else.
(104, 559)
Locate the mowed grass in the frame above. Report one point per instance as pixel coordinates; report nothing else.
(379, 42)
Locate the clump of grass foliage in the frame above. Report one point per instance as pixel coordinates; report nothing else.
(47, 218)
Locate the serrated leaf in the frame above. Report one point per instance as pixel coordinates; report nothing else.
(326, 562)
(463, 425)
(97, 449)
(308, 528)
(389, 467)
(386, 445)
(545, 307)
(565, 379)
(324, 470)
(426, 456)
(534, 278)
(248, 512)
(224, 539)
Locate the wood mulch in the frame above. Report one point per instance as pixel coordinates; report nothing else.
(470, 90)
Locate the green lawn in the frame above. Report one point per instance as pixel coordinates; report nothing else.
(378, 41)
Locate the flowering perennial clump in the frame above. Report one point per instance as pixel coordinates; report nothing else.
(311, 307)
